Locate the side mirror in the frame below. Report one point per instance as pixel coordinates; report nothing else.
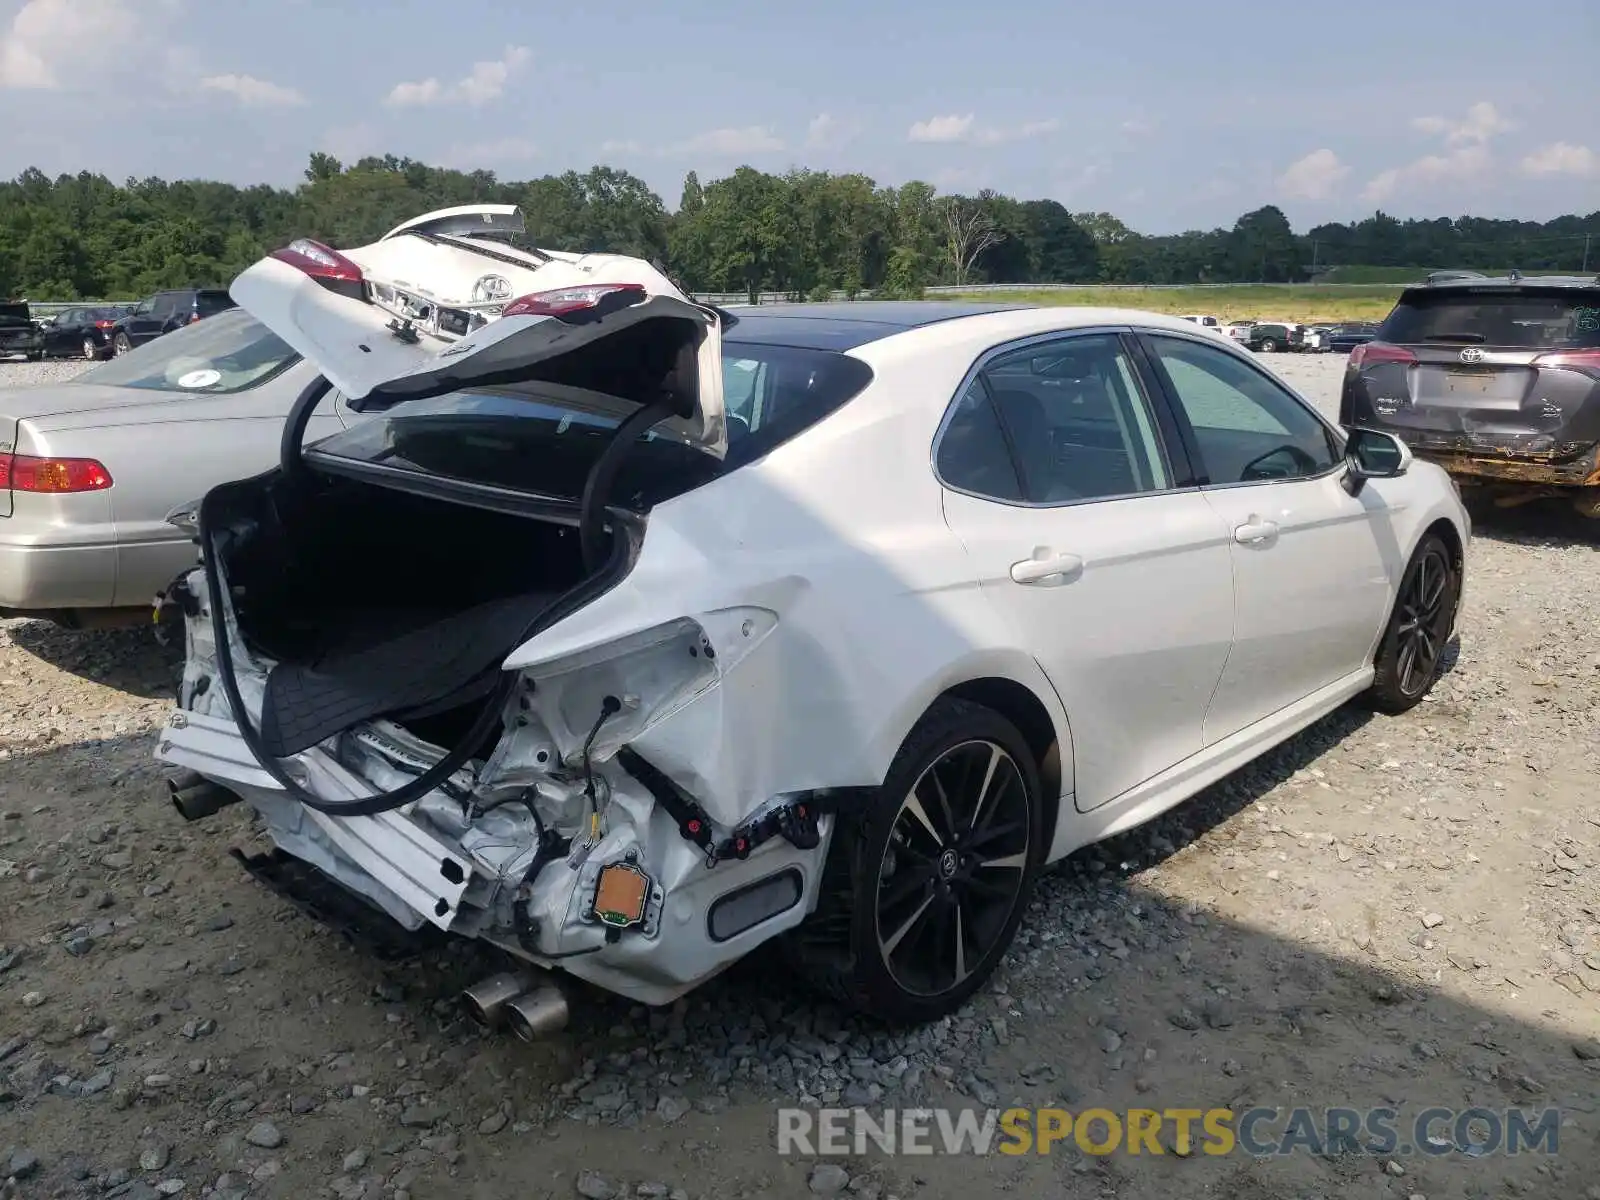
(1373, 454)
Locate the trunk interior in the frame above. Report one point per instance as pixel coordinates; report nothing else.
(375, 602)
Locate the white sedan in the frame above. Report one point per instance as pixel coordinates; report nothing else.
(628, 634)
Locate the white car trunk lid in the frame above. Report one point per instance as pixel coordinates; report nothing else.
(356, 346)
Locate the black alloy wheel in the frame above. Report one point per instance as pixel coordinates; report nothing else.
(924, 886)
(1412, 649)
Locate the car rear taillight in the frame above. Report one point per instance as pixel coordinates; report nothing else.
(327, 266)
(590, 301)
(1583, 359)
(25, 473)
(104, 324)
(1370, 354)
(193, 317)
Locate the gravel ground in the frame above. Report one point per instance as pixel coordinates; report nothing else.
(1398, 912)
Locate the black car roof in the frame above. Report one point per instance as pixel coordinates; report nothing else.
(845, 325)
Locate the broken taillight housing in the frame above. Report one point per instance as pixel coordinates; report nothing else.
(55, 476)
(587, 301)
(1370, 354)
(637, 680)
(327, 266)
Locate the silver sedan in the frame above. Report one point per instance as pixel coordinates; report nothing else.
(89, 469)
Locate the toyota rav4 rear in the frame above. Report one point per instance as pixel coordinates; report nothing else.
(1496, 380)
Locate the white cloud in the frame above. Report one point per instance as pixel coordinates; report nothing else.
(1458, 166)
(826, 132)
(486, 81)
(51, 41)
(1466, 156)
(1562, 158)
(965, 128)
(731, 142)
(407, 95)
(1314, 177)
(625, 146)
(1482, 122)
(942, 129)
(253, 92)
(1137, 127)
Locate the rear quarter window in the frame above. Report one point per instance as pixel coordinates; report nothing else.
(1564, 319)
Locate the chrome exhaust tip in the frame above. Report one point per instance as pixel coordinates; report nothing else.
(538, 1014)
(183, 781)
(204, 799)
(486, 1000)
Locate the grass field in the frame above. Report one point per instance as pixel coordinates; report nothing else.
(1308, 303)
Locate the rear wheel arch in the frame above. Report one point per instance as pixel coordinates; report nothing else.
(1020, 705)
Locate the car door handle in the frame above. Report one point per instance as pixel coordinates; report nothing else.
(1255, 530)
(1047, 568)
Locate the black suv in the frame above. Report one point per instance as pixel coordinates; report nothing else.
(164, 312)
(1496, 380)
(18, 333)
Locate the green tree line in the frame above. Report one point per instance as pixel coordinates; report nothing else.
(803, 233)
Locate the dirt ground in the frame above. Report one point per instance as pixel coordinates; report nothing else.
(1384, 912)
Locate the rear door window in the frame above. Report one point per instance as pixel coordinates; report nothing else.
(1529, 319)
(209, 304)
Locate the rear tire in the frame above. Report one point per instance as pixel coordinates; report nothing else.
(1413, 641)
(1268, 345)
(91, 350)
(924, 886)
(120, 345)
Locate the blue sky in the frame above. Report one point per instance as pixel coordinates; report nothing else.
(1172, 115)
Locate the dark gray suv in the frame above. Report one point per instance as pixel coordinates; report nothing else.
(1495, 379)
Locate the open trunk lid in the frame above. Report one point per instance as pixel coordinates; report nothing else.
(610, 325)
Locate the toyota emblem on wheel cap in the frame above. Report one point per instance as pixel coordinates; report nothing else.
(1472, 355)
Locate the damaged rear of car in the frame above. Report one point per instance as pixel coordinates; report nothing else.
(383, 660)
(1496, 380)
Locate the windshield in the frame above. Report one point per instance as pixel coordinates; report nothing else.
(1528, 319)
(227, 353)
(536, 439)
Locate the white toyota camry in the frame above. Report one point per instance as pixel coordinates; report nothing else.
(629, 634)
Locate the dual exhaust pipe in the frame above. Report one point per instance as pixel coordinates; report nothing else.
(526, 1002)
(196, 797)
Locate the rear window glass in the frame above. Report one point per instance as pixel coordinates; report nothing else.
(231, 352)
(1525, 319)
(209, 304)
(529, 440)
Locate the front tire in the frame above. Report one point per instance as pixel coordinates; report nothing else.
(120, 345)
(1268, 346)
(924, 887)
(1413, 642)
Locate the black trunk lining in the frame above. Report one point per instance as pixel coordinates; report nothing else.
(447, 663)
